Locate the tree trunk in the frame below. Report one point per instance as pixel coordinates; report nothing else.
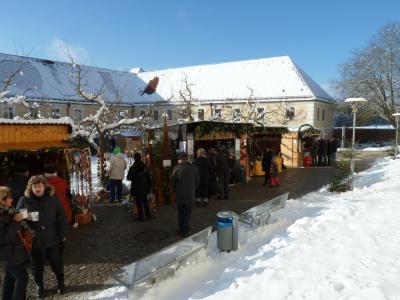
(102, 160)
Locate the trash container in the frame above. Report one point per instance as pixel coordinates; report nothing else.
(227, 231)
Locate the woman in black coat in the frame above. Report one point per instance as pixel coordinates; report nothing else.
(203, 164)
(140, 178)
(49, 226)
(11, 248)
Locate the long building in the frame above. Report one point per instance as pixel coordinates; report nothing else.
(274, 92)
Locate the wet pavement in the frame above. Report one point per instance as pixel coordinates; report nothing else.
(95, 250)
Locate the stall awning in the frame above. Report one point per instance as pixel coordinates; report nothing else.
(32, 146)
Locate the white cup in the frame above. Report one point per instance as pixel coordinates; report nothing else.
(35, 216)
(24, 213)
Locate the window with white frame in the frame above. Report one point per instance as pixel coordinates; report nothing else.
(290, 113)
(33, 112)
(78, 114)
(236, 114)
(218, 112)
(260, 113)
(8, 111)
(200, 114)
(155, 115)
(318, 114)
(55, 113)
(169, 114)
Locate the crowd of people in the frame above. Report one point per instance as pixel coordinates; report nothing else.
(196, 182)
(322, 151)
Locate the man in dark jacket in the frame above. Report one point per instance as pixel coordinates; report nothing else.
(203, 164)
(11, 249)
(223, 170)
(266, 165)
(139, 176)
(185, 179)
(49, 226)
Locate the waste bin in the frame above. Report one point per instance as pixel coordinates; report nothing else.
(227, 231)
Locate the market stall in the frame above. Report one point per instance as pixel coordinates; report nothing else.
(37, 143)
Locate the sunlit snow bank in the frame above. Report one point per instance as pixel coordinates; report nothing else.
(321, 246)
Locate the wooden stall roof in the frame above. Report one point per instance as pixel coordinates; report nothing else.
(33, 134)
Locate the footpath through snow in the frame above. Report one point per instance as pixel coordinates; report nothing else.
(321, 246)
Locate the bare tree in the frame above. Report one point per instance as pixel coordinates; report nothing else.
(374, 72)
(107, 118)
(187, 100)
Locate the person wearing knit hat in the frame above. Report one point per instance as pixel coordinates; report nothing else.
(11, 249)
(117, 173)
(117, 150)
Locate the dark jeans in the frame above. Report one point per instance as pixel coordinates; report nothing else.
(223, 181)
(202, 191)
(54, 254)
(15, 282)
(184, 214)
(142, 202)
(115, 184)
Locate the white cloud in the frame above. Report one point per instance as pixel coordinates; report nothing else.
(61, 50)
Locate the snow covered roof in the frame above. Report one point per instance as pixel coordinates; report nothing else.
(61, 121)
(45, 79)
(269, 78)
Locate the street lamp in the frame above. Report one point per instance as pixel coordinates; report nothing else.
(354, 106)
(396, 115)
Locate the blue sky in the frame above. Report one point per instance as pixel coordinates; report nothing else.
(159, 34)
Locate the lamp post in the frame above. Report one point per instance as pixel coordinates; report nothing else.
(354, 106)
(396, 115)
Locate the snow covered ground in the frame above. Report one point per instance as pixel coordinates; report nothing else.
(321, 246)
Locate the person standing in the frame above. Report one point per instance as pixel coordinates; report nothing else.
(223, 170)
(274, 180)
(117, 173)
(49, 226)
(140, 178)
(266, 165)
(61, 189)
(334, 147)
(185, 179)
(314, 152)
(11, 249)
(203, 164)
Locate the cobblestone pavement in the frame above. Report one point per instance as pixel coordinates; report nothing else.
(95, 250)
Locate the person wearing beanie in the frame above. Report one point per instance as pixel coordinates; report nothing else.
(117, 172)
(61, 189)
(12, 251)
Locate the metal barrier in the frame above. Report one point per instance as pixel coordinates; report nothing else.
(260, 214)
(163, 263)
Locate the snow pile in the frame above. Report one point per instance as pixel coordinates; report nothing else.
(321, 246)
